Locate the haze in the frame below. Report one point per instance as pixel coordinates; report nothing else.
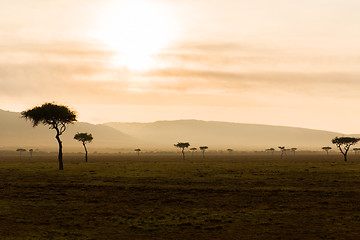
(292, 63)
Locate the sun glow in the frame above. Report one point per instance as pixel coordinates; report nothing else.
(136, 31)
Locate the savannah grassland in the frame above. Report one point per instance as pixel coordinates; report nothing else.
(163, 197)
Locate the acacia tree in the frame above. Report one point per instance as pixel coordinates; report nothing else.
(137, 150)
(84, 138)
(203, 149)
(326, 149)
(182, 146)
(56, 117)
(356, 150)
(344, 144)
(293, 150)
(230, 150)
(20, 150)
(282, 149)
(272, 150)
(31, 152)
(192, 151)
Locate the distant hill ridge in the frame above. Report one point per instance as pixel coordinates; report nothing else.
(15, 131)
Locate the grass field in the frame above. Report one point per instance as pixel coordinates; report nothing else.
(163, 197)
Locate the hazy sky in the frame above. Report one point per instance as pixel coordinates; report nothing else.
(293, 62)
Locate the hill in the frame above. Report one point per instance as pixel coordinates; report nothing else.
(17, 132)
(219, 135)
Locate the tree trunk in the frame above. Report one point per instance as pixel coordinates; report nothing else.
(86, 152)
(345, 157)
(203, 154)
(183, 153)
(61, 166)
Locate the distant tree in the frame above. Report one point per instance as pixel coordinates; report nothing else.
(20, 150)
(293, 150)
(182, 146)
(137, 150)
(229, 150)
(282, 149)
(203, 149)
(31, 152)
(84, 138)
(344, 144)
(272, 150)
(356, 150)
(193, 150)
(326, 149)
(56, 117)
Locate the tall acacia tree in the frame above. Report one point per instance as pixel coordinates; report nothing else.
(56, 117)
(84, 138)
(182, 146)
(344, 144)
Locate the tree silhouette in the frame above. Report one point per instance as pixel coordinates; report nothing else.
(84, 138)
(56, 117)
(193, 150)
(182, 146)
(31, 152)
(356, 150)
(203, 149)
(282, 149)
(137, 150)
(346, 142)
(229, 150)
(326, 149)
(20, 150)
(272, 150)
(293, 150)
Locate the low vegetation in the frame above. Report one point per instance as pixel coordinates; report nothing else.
(163, 197)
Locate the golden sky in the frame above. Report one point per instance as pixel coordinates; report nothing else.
(293, 63)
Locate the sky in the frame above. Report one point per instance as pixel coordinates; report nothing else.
(291, 63)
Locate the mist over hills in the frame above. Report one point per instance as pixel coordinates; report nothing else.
(17, 132)
(161, 135)
(225, 134)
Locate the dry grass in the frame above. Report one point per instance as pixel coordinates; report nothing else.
(228, 197)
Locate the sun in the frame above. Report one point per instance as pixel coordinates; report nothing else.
(136, 31)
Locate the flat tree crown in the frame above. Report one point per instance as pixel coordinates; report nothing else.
(83, 137)
(344, 140)
(204, 147)
(182, 145)
(50, 114)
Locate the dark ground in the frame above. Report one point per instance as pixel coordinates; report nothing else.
(221, 197)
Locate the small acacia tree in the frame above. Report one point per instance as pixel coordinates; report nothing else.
(344, 144)
(203, 149)
(56, 117)
(356, 150)
(31, 152)
(84, 138)
(326, 149)
(192, 151)
(282, 149)
(293, 150)
(272, 150)
(182, 146)
(137, 150)
(20, 150)
(229, 150)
